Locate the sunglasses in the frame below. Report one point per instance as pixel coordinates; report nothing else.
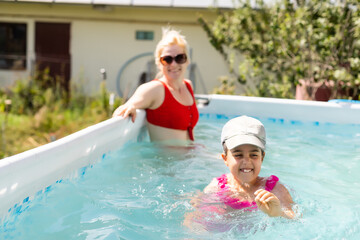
(179, 59)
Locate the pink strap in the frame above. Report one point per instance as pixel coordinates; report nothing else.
(271, 182)
(222, 181)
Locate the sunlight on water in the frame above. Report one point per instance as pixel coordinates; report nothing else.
(143, 191)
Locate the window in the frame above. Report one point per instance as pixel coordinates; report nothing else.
(12, 46)
(144, 35)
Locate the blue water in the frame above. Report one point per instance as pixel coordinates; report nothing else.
(143, 191)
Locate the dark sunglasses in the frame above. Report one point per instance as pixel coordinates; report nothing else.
(179, 59)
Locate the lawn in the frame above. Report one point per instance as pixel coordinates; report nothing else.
(23, 132)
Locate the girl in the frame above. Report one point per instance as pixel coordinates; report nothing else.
(243, 140)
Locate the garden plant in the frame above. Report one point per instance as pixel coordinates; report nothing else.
(276, 44)
(33, 113)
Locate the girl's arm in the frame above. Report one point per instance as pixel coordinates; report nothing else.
(277, 203)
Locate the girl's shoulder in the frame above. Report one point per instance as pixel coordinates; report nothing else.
(281, 191)
(215, 184)
(212, 186)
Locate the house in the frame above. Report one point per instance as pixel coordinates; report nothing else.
(86, 41)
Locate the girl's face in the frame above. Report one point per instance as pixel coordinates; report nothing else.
(244, 163)
(173, 71)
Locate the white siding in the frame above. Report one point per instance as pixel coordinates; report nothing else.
(107, 40)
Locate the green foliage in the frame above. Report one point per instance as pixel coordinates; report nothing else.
(38, 112)
(33, 95)
(227, 86)
(276, 45)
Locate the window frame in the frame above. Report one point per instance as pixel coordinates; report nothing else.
(144, 35)
(13, 45)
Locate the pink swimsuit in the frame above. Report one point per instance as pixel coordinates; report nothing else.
(210, 205)
(237, 203)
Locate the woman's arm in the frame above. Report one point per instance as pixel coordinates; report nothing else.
(145, 96)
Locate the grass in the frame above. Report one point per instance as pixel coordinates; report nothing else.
(37, 111)
(23, 132)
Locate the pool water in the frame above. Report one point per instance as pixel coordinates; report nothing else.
(143, 191)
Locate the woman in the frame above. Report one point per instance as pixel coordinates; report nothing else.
(169, 100)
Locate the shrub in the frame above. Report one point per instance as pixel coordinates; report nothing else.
(277, 44)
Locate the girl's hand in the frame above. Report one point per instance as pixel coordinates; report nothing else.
(268, 203)
(126, 110)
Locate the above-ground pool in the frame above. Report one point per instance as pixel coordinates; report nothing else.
(142, 190)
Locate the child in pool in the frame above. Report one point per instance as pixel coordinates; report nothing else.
(243, 140)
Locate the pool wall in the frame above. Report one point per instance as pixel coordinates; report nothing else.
(281, 109)
(24, 175)
(27, 174)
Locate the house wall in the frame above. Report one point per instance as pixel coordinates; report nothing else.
(105, 38)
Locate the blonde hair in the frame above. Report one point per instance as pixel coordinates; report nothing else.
(170, 37)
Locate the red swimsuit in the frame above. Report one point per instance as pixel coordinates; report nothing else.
(172, 114)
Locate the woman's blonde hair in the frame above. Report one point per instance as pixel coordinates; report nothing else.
(170, 37)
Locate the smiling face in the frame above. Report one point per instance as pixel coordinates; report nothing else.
(244, 163)
(173, 71)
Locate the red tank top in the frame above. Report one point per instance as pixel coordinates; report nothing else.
(172, 114)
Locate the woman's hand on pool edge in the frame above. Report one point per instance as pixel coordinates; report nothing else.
(125, 111)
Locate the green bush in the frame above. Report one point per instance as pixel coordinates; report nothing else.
(277, 44)
(41, 112)
(227, 86)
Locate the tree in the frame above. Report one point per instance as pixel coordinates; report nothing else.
(277, 45)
